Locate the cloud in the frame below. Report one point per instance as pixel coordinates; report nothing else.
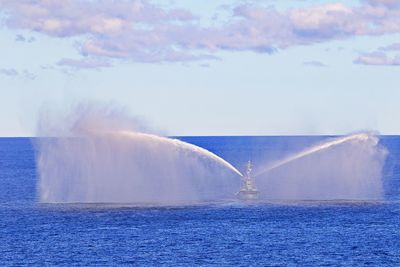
(392, 47)
(314, 63)
(381, 57)
(9, 72)
(27, 75)
(21, 38)
(83, 63)
(385, 3)
(77, 17)
(24, 74)
(138, 30)
(378, 59)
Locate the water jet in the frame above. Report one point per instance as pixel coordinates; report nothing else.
(348, 167)
(360, 137)
(96, 157)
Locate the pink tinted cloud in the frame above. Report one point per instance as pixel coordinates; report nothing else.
(378, 59)
(76, 17)
(386, 3)
(392, 47)
(139, 30)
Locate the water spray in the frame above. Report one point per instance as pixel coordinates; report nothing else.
(178, 144)
(94, 159)
(355, 137)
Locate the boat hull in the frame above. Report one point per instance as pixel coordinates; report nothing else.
(247, 195)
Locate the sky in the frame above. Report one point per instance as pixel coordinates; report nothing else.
(287, 67)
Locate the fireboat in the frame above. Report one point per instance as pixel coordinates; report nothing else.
(248, 190)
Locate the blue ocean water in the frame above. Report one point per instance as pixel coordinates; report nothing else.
(304, 233)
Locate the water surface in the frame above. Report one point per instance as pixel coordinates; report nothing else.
(274, 233)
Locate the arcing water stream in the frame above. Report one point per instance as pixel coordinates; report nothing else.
(318, 148)
(180, 145)
(348, 167)
(92, 162)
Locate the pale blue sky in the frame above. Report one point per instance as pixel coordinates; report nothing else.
(240, 93)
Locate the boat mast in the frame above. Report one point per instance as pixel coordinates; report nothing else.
(248, 191)
(247, 181)
(249, 169)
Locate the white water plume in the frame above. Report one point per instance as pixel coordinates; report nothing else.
(93, 160)
(348, 167)
(317, 148)
(178, 144)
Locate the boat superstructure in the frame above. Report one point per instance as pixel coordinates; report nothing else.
(248, 191)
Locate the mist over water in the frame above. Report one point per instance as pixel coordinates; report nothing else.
(101, 157)
(100, 154)
(348, 167)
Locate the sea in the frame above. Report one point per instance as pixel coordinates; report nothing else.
(275, 233)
